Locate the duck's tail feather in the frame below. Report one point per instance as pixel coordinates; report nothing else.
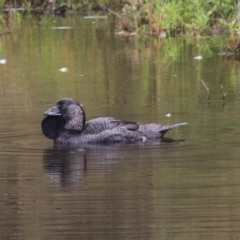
(166, 128)
(174, 126)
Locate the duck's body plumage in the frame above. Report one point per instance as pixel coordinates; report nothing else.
(65, 123)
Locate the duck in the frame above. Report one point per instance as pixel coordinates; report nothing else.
(61, 11)
(65, 123)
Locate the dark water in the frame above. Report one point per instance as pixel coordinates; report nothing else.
(183, 189)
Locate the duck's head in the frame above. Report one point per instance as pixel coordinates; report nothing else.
(66, 114)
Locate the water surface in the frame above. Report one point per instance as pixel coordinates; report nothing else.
(184, 188)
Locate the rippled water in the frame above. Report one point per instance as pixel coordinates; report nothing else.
(184, 188)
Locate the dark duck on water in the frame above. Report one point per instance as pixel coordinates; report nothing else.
(66, 123)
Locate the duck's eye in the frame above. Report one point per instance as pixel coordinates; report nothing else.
(60, 107)
(63, 107)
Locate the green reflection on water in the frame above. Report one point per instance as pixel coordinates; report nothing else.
(105, 71)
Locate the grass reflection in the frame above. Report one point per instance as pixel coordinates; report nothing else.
(108, 70)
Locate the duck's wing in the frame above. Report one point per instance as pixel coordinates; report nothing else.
(129, 125)
(101, 124)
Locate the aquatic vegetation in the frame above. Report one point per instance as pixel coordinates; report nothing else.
(145, 18)
(158, 18)
(177, 17)
(171, 18)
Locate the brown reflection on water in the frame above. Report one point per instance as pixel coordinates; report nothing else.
(184, 189)
(159, 191)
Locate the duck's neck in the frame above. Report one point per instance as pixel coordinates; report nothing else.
(76, 121)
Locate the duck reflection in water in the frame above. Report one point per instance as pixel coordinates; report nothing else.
(69, 165)
(65, 166)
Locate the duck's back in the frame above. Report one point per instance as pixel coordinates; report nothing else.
(98, 125)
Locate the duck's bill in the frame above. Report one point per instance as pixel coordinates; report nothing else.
(53, 111)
